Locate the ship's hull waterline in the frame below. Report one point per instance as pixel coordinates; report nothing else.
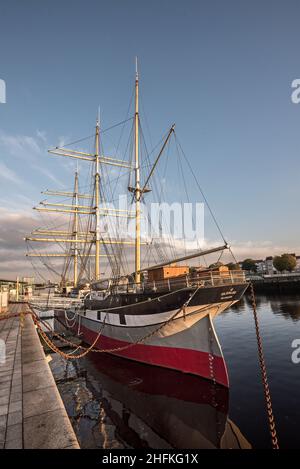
(187, 343)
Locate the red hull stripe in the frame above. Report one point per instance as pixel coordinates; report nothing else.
(185, 360)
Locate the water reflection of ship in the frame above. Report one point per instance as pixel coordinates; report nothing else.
(288, 308)
(239, 307)
(170, 409)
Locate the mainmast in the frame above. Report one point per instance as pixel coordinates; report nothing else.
(75, 230)
(97, 200)
(137, 182)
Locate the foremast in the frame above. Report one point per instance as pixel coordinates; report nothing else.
(97, 202)
(60, 237)
(96, 209)
(137, 183)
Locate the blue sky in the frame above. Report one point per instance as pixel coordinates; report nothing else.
(222, 70)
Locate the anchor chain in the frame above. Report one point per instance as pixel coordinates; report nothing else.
(267, 394)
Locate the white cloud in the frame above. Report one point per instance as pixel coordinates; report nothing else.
(8, 174)
(261, 249)
(18, 145)
(240, 249)
(48, 174)
(31, 149)
(42, 135)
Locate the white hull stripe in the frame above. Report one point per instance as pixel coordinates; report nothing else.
(140, 321)
(182, 332)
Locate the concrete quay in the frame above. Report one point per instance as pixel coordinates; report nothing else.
(32, 414)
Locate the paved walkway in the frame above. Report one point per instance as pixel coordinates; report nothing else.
(32, 414)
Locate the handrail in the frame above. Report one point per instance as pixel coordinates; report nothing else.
(188, 280)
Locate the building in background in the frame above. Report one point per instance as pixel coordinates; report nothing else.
(260, 266)
(270, 269)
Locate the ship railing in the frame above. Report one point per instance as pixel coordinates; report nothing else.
(191, 280)
(53, 302)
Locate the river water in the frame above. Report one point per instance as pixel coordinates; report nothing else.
(115, 403)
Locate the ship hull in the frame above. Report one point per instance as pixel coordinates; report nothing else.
(195, 350)
(184, 340)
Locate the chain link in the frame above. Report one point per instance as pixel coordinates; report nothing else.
(271, 419)
(70, 356)
(106, 350)
(54, 348)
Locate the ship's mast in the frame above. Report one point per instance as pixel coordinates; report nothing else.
(137, 182)
(97, 201)
(75, 231)
(79, 238)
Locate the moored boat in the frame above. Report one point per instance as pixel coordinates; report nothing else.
(161, 313)
(172, 329)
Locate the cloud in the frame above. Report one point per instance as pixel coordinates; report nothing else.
(8, 174)
(14, 227)
(17, 220)
(261, 249)
(17, 145)
(42, 135)
(240, 249)
(48, 174)
(31, 149)
(17, 223)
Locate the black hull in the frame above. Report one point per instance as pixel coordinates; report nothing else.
(152, 303)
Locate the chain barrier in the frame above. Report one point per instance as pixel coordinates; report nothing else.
(106, 350)
(54, 348)
(70, 355)
(267, 394)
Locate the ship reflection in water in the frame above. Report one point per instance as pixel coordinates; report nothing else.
(115, 403)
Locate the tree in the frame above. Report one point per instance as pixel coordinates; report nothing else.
(249, 264)
(233, 266)
(284, 262)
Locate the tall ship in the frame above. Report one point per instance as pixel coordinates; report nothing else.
(157, 298)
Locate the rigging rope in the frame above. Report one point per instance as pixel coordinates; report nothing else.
(200, 189)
